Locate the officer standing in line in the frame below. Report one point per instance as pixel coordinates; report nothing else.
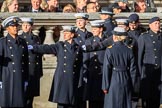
(69, 57)
(119, 72)
(107, 15)
(149, 63)
(35, 61)
(92, 65)
(81, 31)
(82, 35)
(135, 30)
(13, 66)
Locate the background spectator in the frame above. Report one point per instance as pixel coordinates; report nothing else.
(123, 5)
(139, 6)
(35, 7)
(69, 8)
(10, 6)
(91, 7)
(80, 5)
(97, 4)
(53, 6)
(44, 5)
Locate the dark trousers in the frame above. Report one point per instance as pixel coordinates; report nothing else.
(30, 102)
(96, 104)
(150, 87)
(65, 106)
(81, 104)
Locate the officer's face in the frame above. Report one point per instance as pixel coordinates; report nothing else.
(26, 27)
(155, 26)
(80, 23)
(104, 16)
(133, 26)
(14, 6)
(36, 4)
(96, 31)
(12, 30)
(68, 35)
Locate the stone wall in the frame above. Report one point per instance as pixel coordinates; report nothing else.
(49, 65)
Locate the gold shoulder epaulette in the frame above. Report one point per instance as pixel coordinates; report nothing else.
(109, 46)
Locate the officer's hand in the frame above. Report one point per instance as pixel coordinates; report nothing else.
(0, 84)
(25, 85)
(84, 47)
(105, 91)
(30, 47)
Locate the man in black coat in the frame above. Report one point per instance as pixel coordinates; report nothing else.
(64, 87)
(35, 61)
(13, 66)
(35, 7)
(149, 63)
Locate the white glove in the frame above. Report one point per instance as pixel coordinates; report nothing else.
(25, 85)
(30, 47)
(0, 85)
(84, 47)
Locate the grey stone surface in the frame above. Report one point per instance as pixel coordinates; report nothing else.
(41, 101)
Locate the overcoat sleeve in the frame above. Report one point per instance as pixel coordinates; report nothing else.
(46, 49)
(133, 69)
(140, 53)
(100, 45)
(107, 70)
(1, 60)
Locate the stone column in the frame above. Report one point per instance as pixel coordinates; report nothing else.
(49, 35)
(36, 30)
(48, 39)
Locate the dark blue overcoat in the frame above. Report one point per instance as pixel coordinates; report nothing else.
(119, 72)
(13, 71)
(35, 65)
(65, 80)
(93, 64)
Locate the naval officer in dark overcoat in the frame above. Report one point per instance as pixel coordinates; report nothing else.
(35, 61)
(93, 64)
(107, 15)
(119, 72)
(13, 65)
(149, 64)
(69, 57)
